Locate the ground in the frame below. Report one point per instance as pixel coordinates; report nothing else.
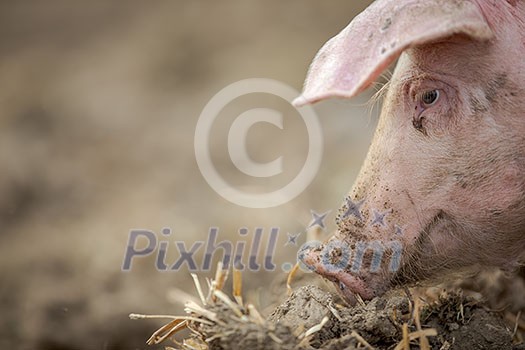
(443, 317)
(99, 101)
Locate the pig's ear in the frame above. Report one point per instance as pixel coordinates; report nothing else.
(353, 59)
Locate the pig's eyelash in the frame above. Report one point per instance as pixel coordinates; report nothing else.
(382, 88)
(377, 96)
(387, 75)
(380, 93)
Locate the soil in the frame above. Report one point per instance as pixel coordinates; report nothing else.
(420, 318)
(459, 322)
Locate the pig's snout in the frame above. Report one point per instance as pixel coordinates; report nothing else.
(361, 268)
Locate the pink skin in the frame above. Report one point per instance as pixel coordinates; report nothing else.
(446, 168)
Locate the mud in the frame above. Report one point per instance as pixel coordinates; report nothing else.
(431, 318)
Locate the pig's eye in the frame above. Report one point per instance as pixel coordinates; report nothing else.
(428, 98)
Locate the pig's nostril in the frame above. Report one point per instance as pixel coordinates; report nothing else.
(342, 286)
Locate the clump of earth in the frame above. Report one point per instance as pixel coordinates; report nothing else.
(314, 318)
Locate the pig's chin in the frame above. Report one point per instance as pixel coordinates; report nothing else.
(349, 285)
(367, 287)
(346, 283)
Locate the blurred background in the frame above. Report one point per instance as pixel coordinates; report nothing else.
(99, 102)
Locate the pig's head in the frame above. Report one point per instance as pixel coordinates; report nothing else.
(443, 186)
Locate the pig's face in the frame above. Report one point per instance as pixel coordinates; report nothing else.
(443, 186)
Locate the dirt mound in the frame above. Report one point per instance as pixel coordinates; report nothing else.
(312, 318)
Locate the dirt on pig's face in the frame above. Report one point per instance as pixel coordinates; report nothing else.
(443, 186)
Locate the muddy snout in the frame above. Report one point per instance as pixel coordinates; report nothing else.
(364, 268)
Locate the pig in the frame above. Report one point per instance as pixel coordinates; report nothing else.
(445, 173)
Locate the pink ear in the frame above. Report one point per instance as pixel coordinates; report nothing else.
(348, 63)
